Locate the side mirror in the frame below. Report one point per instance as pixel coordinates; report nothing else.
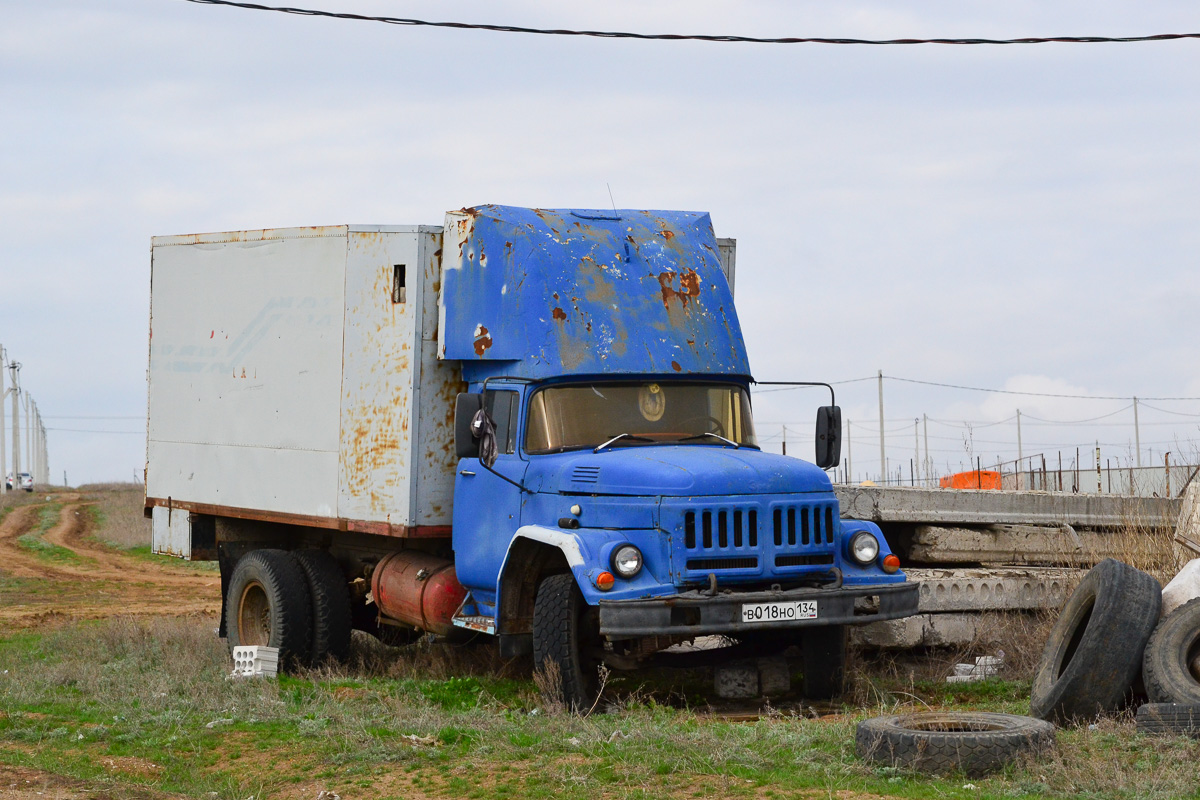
(466, 406)
(829, 437)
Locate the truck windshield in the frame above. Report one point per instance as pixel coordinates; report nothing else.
(588, 415)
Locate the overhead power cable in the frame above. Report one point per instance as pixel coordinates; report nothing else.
(310, 12)
(1025, 394)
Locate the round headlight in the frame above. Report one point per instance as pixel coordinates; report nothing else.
(864, 547)
(627, 561)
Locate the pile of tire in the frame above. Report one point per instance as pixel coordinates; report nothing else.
(1171, 671)
(1094, 652)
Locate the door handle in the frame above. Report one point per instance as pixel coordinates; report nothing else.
(467, 473)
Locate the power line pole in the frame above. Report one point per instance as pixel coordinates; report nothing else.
(916, 449)
(882, 454)
(1020, 451)
(27, 401)
(849, 452)
(785, 440)
(928, 460)
(15, 369)
(1137, 434)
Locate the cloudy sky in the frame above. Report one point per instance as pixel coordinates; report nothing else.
(1023, 218)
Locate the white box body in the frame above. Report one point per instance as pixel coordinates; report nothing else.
(291, 380)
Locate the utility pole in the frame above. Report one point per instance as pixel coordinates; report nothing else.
(1020, 451)
(27, 401)
(916, 450)
(882, 454)
(928, 461)
(785, 440)
(849, 452)
(1137, 434)
(15, 369)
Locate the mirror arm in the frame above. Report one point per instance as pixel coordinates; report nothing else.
(832, 399)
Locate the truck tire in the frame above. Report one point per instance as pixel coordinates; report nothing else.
(824, 653)
(1169, 719)
(1094, 652)
(566, 633)
(1171, 665)
(268, 603)
(975, 742)
(330, 606)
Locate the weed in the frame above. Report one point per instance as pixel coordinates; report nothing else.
(117, 512)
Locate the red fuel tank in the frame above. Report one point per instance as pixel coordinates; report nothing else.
(418, 589)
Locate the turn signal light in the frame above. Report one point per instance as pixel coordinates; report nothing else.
(605, 580)
(891, 563)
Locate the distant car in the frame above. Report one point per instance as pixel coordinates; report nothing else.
(26, 481)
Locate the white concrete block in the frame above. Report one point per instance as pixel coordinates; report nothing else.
(774, 676)
(736, 681)
(1183, 587)
(256, 660)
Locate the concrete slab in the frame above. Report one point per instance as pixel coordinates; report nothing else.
(921, 630)
(1011, 544)
(1000, 589)
(969, 507)
(1187, 526)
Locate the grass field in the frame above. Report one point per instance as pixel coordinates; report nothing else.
(143, 708)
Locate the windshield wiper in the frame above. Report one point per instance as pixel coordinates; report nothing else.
(714, 435)
(620, 436)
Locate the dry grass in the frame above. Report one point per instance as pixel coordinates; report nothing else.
(118, 512)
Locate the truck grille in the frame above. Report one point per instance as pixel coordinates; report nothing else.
(748, 538)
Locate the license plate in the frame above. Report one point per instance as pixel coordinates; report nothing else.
(779, 612)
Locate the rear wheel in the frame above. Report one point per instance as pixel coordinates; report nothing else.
(268, 603)
(566, 634)
(330, 605)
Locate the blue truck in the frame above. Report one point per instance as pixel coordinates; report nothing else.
(528, 424)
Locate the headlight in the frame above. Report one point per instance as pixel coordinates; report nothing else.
(864, 547)
(627, 561)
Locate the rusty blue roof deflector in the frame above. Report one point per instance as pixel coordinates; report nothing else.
(541, 293)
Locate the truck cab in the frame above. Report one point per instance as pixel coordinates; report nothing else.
(611, 497)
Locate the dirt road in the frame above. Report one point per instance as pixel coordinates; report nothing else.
(87, 579)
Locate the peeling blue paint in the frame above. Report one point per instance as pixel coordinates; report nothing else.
(542, 293)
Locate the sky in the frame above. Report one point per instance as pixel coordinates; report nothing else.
(1021, 218)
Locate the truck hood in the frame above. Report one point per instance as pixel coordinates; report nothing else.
(675, 470)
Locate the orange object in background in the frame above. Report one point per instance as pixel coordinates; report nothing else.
(975, 479)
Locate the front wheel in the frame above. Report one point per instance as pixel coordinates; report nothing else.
(566, 634)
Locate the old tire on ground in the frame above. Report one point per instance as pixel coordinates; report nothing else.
(1094, 651)
(824, 652)
(268, 603)
(1171, 665)
(974, 742)
(1158, 719)
(330, 606)
(566, 633)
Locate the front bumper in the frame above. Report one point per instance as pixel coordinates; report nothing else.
(696, 613)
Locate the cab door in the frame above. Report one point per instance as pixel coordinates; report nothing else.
(487, 508)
